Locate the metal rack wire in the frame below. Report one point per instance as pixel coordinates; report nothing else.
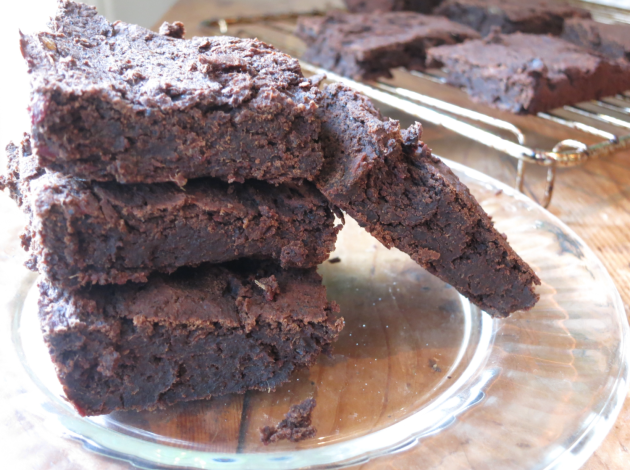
(607, 120)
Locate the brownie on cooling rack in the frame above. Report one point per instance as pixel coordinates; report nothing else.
(527, 73)
(527, 16)
(612, 40)
(368, 6)
(369, 45)
(114, 101)
(82, 232)
(392, 185)
(197, 333)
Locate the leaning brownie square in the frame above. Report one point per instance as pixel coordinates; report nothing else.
(368, 45)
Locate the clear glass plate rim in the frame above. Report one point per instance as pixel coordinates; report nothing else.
(76, 427)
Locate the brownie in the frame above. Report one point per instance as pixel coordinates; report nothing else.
(368, 45)
(510, 16)
(83, 232)
(527, 73)
(611, 40)
(296, 425)
(391, 184)
(197, 333)
(368, 6)
(119, 102)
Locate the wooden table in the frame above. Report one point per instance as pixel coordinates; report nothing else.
(594, 200)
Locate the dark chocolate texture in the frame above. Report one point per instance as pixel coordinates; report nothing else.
(296, 425)
(192, 335)
(392, 186)
(510, 16)
(82, 232)
(611, 40)
(119, 102)
(369, 6)
(368, 45)
(527, 73)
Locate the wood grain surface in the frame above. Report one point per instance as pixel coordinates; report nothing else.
(594, 200)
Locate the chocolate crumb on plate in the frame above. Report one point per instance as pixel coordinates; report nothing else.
(296, 425)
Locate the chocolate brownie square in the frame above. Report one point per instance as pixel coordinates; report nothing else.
(195, 334)
(368, 6)
(392, 186)
(82, 232)
(527, 73)
(368, 45)
(611, 40)
(114, 101)
(510, 16)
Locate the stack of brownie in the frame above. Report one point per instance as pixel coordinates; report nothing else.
(180, 193)
(171, 212)
(504, 53)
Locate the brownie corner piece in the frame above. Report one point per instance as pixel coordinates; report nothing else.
(611, 40)
(510, 16)
(192, 335)
(391, 184)
(114, 101)
(529, 73)
(368, 45)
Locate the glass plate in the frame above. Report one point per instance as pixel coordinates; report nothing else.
(417, 368)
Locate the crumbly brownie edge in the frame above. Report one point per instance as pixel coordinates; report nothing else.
(368, 6)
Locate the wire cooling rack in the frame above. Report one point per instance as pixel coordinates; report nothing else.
(563, 137)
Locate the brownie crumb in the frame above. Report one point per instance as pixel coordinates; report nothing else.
(173, 30)
(296, 425)
(434, 365)
(334, 260)
(270, 286)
